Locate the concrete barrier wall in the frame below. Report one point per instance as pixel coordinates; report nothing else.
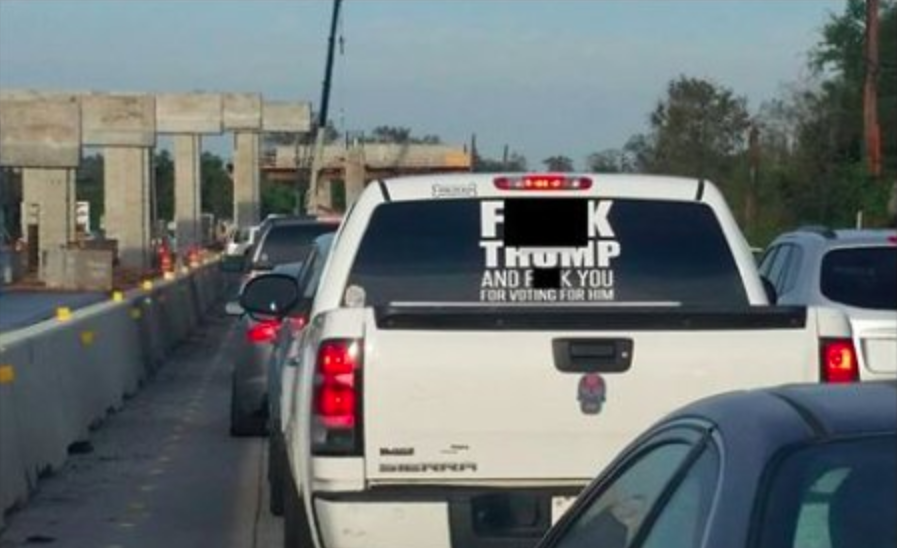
(60, 379)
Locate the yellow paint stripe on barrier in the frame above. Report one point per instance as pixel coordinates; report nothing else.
(87, 337)
(7, 374)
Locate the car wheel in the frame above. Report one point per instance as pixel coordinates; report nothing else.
(241, 424)
(296, 530)
(276, 476)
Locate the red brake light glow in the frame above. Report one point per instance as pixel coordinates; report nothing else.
(548, 181)
(298, 323)
(337, 358)
(337, 396)
(839, 361)
(262, 332)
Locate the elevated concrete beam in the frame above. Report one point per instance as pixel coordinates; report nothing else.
(242, 111)
(40, 133)
(118, 120)
(286, 117)
(7, 94)
(188, 113)
(383, 156)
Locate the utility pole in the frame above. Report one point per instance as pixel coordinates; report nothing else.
(311, 203)
(870, 91)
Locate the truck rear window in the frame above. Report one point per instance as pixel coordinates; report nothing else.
(862, 277)
(546, 251)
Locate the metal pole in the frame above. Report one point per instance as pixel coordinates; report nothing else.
(320, 130)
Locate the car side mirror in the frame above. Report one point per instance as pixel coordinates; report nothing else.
(270, 295)
(771, 294)
(233, 308)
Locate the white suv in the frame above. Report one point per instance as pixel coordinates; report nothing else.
(853, 270)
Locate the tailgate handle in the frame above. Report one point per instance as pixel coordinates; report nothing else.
(592, 355)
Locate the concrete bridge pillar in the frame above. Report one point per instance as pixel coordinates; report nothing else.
(355, 174)
(247, 195)
(42, 135)
(127, 203)
(187, 197)
(49, 201)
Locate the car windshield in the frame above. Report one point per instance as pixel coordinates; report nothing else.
(833, 495)
(598, 251)
(863, 277)
(291, 243)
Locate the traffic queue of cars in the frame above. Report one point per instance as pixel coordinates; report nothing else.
(477, 347)
(282, 245)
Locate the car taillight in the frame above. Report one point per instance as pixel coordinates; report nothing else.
(839, 361)
(297, 323)
(542, 182)
(336, 426)
(263, 332)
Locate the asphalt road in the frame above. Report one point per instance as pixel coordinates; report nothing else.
(22, 308)
(163, 472)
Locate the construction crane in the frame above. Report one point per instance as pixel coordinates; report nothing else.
(312, 205)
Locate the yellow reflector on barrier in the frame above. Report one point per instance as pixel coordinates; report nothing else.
(63, 313)
(147, 285)
(7, 374)
(136, 313)
(118, 296)
(87, 337)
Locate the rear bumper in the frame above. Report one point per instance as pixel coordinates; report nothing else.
(436, 517)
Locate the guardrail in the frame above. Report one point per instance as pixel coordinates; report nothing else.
(62, 377)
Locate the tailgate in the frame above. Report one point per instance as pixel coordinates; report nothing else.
(876, 340)
(484, 397)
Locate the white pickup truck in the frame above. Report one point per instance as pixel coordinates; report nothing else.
(481, 345)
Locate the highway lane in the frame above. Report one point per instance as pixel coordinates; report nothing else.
(163, 472)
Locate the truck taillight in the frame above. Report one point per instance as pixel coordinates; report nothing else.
(336, 425)
(839, 361)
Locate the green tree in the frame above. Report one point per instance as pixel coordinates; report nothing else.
(277, 197)
(217, 188)
(163, 171)
(399, 135)
(89, 186)
(698, 130)
(611, 160)
(558, 163)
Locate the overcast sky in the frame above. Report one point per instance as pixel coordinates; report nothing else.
(545, 77)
